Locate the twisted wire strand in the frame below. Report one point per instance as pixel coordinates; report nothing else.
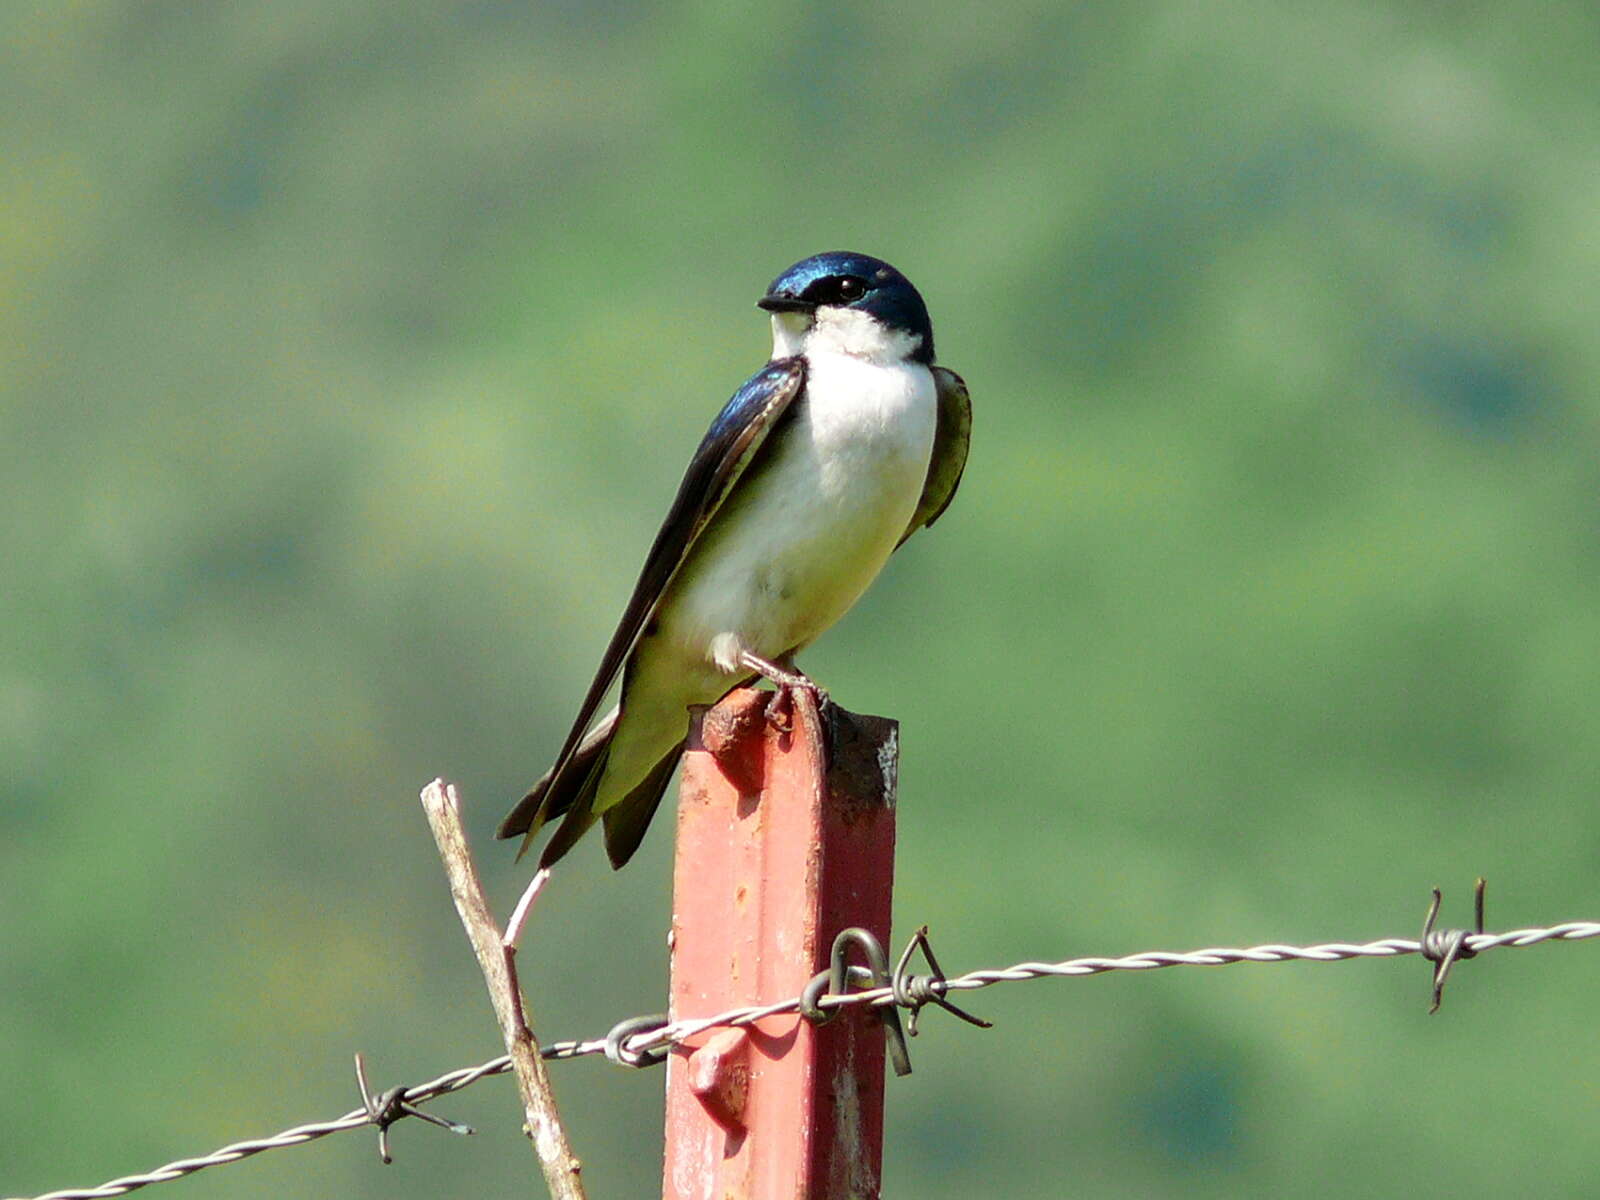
(1150, 960)
(676, 1032)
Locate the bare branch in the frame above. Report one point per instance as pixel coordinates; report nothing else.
(561, 1166)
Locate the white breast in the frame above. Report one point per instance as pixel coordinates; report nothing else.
(793, 549)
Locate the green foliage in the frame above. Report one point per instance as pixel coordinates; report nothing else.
(1268, 600)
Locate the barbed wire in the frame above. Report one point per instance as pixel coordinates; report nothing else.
(642, 1041)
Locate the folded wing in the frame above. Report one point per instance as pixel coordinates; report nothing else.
(724, 453)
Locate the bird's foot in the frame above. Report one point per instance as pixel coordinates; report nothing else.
(787, 679)
(780, 709)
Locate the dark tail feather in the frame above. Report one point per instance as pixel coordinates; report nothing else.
(533, 810)
(579, 820)
(627, 820)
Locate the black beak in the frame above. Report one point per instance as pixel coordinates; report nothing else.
(776, 303)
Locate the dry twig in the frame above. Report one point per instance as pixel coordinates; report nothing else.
(544, 1127)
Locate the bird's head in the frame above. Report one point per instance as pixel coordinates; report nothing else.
(846, 303)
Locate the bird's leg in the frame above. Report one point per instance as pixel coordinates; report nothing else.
(785, 677)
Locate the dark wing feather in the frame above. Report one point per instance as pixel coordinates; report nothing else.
(627, 820)
(538, 803)
(951, 435)
(725, 451)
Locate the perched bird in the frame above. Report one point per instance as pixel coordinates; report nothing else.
(828, 458)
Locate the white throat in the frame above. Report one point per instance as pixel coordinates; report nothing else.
(841, 331)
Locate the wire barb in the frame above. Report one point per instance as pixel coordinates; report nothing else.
(387, 1107)
(911, 992)
(1446, 947)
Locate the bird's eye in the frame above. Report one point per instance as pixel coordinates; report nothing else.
(837, 289)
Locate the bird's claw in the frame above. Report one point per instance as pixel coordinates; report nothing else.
(780, 709)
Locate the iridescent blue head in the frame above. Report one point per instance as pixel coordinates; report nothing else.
(849, 303)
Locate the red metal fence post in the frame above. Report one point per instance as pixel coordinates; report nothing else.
(774, 858)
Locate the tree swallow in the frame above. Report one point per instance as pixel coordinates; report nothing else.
(827, 459)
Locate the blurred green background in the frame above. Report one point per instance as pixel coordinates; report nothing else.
(1268, 600)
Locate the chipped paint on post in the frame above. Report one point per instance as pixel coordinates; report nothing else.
(889, 765)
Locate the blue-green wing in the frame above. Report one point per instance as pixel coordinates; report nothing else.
(726, 450)
(951, 435)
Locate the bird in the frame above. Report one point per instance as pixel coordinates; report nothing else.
(820, 466)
